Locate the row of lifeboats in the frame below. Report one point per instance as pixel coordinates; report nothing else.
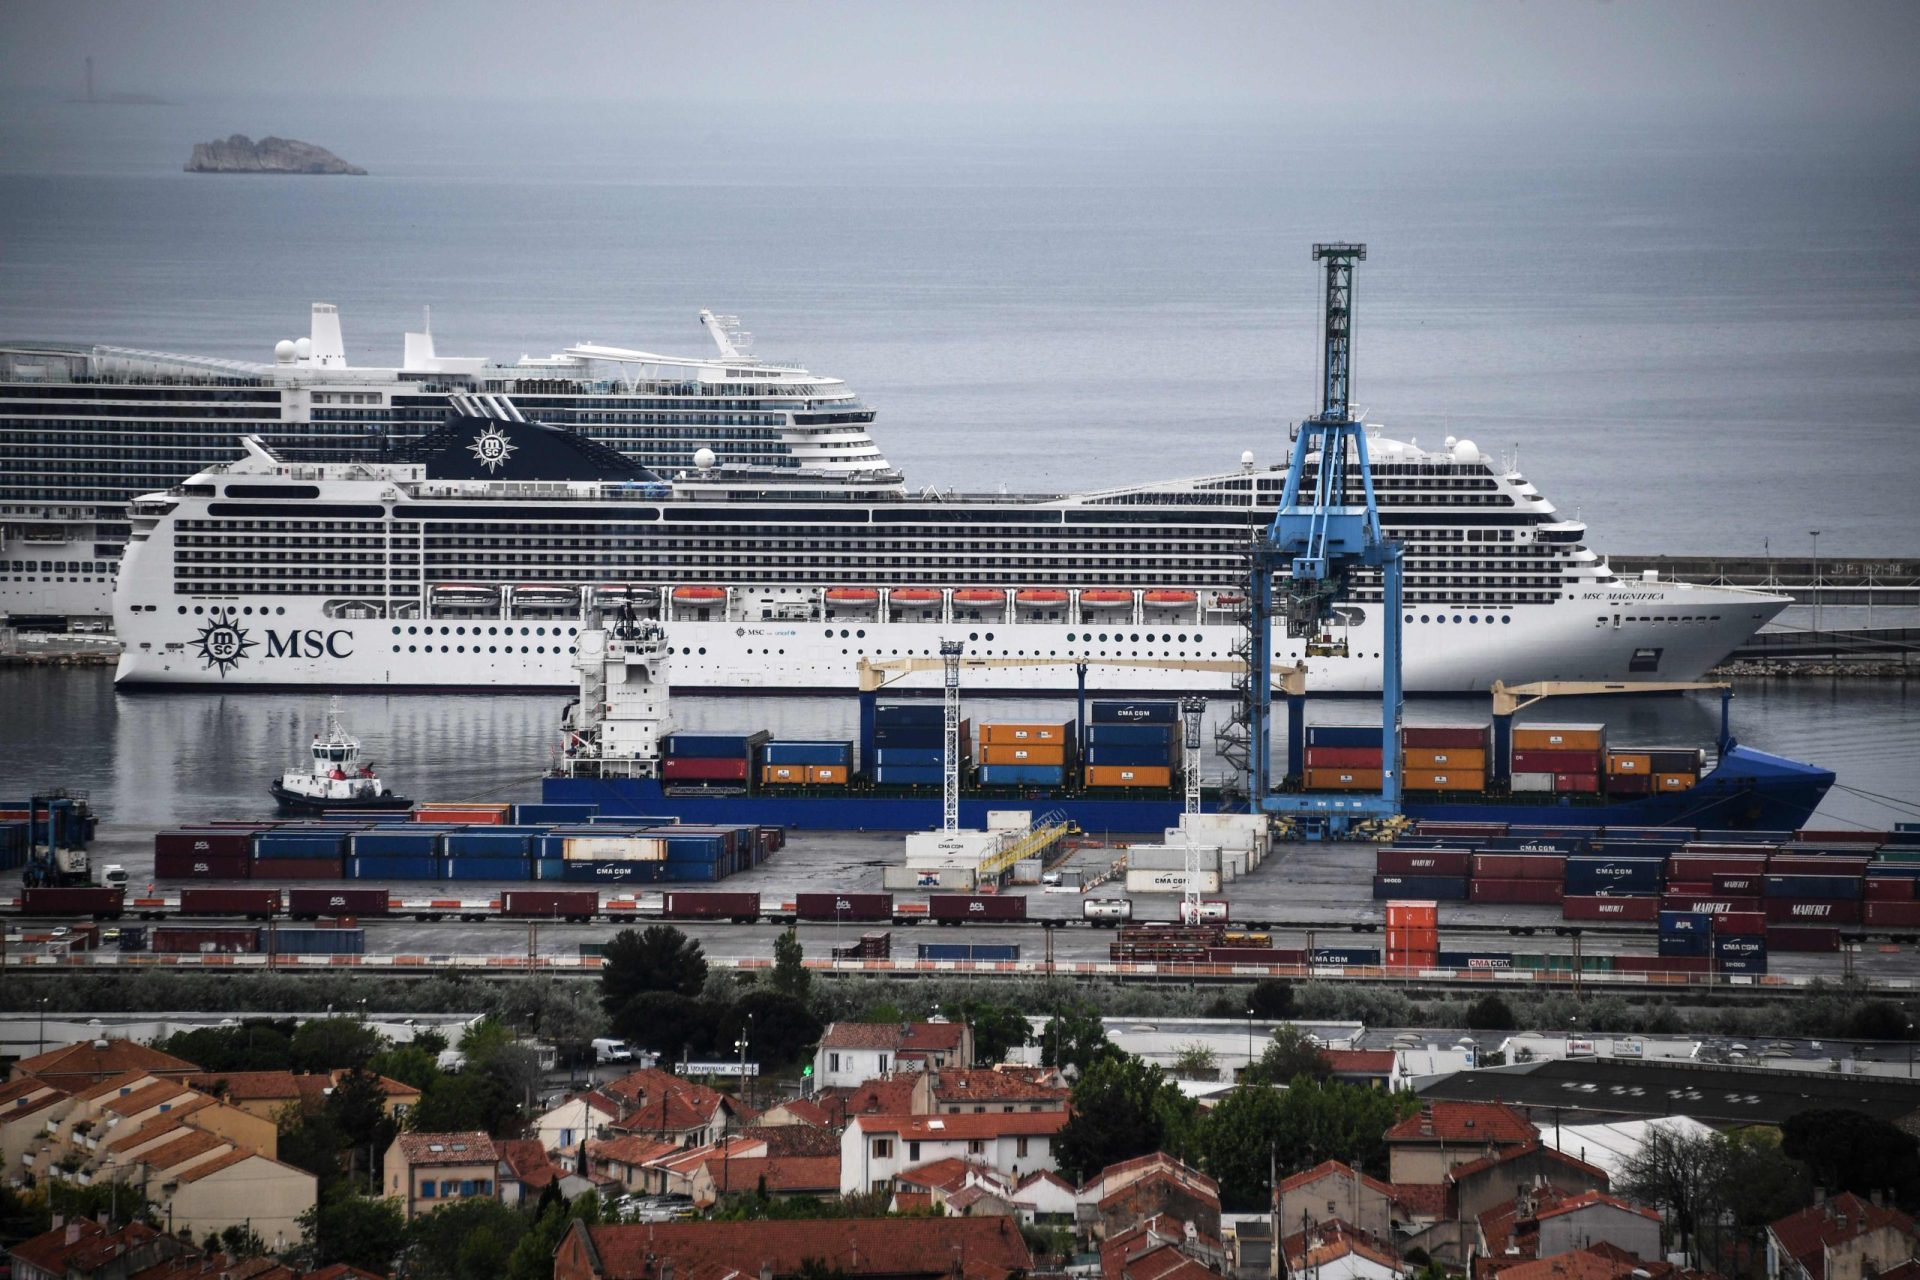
(1034, 597)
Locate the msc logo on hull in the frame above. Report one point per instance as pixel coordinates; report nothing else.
(225, 643)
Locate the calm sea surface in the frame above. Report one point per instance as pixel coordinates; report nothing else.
(1701, 339)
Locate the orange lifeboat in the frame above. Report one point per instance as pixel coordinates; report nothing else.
(852, 595)
(1038, 596)
(1229, 602)
(979, 595)
(699, 595)
(914, 595)
(1164, 599)
(1106, 599)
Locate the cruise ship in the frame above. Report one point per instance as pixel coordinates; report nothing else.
(472, 557)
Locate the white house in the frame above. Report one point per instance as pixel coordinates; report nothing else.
(874, 1148)
(564, 1126)
(852, 1053)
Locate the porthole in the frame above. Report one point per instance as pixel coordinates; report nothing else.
(396, 648)
(198, 610)
(281, 609)
(413, 631)
(182, 609)
(248, 611)
(573, 631)
(989, 635)
(862, 635)
(1409, 617)
(1456, 617)
(1508, 618)
(1473, 617)
(396, 631)
(412, 649)
(493, 648)
(703, 651)
(973, 635)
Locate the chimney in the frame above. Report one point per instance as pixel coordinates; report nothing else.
(73, 1231)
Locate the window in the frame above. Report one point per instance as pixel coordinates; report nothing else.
(833, 1062)
(427, 1189)
(883, 1148)
(913, 1152)
(1020, 1148)
(976, 1147)
(883, 1064)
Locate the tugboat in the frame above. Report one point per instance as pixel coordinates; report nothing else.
(337, 780)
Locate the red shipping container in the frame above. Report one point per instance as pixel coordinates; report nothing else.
(1422, 862)
(1741, 886)
(218, 844)
(264, 903)
(309, 904)
(1629, 784)
(1790, 866)
(1740, 922)
(1595, 908)
(1890, 888)
(1712, 904)
(1582, 783)
(1343, 757)
(1432, 737)
(1429, 827)
(1813, 911)
(1893, 913)
(201, 866)
(1520, 866)
(296, 869)
(1702, 887)
(1528, 891)
(1840, 837)
(1585, 762)
(701, 769)
(1701, 866)
(1661, 964)
(1793, 938)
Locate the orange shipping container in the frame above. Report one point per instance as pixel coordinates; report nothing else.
(1446, 758)
(1444, 780)
(1000, 733)
(1024, 753)
(795, 774)
(1413, 915)
(1629, 762)
(473, 815)
(1674, 782)
(1116, 775)
(1560, 737)
(1343, 779)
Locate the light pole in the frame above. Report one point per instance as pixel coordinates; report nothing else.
(1909, 1051)
(43, 1026)
(1249, 1039)
(1815, 535)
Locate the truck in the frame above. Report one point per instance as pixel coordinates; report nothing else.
(607, 1050)
(60, 826)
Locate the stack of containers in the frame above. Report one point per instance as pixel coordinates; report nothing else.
(204, 853)
(1639, 771)
(1439, 874)
(1518, 877)
(1024, 755)
(720, 761)
(398, 852)
(1413, 935)
(14, 841)
(701, 855)
(463, 814)
(490, 853)
(1686, 940)
(806, 764)
(1343, 757)
(1132, 745)
(909, 744)
(1892, 894)
(300, 852)
(601, 852)
(1561, 758)
(1443, 757)
(1796, 897)
(1616, 874)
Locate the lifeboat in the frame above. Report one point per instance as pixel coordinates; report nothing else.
(1229, 601)
(852, 595)
(1166, 599)
(1106, 599)
(914, 595)
(979, 595)
(699, 595)
(1039, 597)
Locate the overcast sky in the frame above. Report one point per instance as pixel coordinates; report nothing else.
(1822, 55)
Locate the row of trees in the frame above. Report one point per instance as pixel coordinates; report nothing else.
(468, 1240)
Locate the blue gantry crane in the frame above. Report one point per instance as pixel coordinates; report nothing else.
(1328, 526)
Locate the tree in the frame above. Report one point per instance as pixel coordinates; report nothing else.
(407, 1063)
(533, 1257)
(468, 1100)
(789, 971)
(1681, 1173)
(1271, 998)
(356, 1230)
(667, 1023)
(1292, 1054)
(778, 1027)
(657, 958)
(239, 1241)
(998, 1029)
(1075, 1038)
(1878, 1020)
(1306, 1123)
(1719, 1191)
(564, 1014)
(256, 1045)
(310, 1140)
(1490, 1013)
(1196, 1061)
(357, 1108)
(464, 1240)
(328, 1044)
(1123, 1107)
(1853, 1151)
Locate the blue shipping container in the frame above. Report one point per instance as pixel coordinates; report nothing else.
(480, 842)
(1827, 887)
(1344, 735)
(1545, 844)
(911, 756)
(1587, 877)
(1344, 956)
(393, 868)
(1475, 959)
(907, 775)
(1020, 775)
(546, 815)
(549, 868)
(1439, 888)
(976, 951)
(1741, 964)
(1134, 713)
(1685, 923)
(495, 869)
(899, 713)
(320, 942)
(299, 844)
(808, 753)
(1131, 735)
(691, 872)
(713, 746)
(1685, 944)
(1739, 944)
(1109, 753)
(396, 842)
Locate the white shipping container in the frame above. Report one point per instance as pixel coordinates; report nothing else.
(962, 879)
(1533, 782)
(951, 846)
(1169, 881)
(1009, 819)
(1163, 857)
(614, 849)
(1229, 830)
(1026, 871)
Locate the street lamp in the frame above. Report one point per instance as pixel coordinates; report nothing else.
(1815, 535)
(1249, 1039)
(43, 1025)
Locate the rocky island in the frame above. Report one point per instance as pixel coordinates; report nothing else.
(241, 154)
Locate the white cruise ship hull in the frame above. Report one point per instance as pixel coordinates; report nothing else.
(1666, 631)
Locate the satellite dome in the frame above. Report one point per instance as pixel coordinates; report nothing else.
(1466, 451)
(303, 348)
(283, 350)
(703, 458)
(1246, 458)
(1450, 442)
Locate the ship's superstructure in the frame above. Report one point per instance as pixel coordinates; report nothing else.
(471, 562)
(84, 429)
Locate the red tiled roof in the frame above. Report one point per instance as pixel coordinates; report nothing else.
(1162, 1262)
(1595, 1262)
(1805, 1235)
(1333, 1169)
(1424, 1199)
(526, 1160)
(1587, 1199)
(862, 1035)
(942, 1174)
(927, 1037)
(447, 1148)
(1334, 1239)
(1372, 1062)
(26, 1086)
(91, 1248)
(151, 1096)
(128, 1080)
(191, 1144)
(888, 1096)
(1464, 1122)
(967, 1125)
(782, 1173)
(1159, 1158)
(119, 1056)
(984, 1248)
(995, 1085)
(628, 1148)
(1533, 1147)
(225, 1161)
(912, 1201)
(807, 1112)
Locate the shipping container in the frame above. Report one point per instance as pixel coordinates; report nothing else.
(1343, 758)
(1125, 757)
(1560, 737)
(714, 746)
(1677, 760)
(1727, 944)
(955, 908)
(1886, 912)
(1121, 776)
(1515, 891)
(704, 769)
(318, 942)
(602, 846)
(1802, 938)
(1343, 957)
(912, 756)
(471, 815)
(1021, 775)
(1469, 758)
(803, 775)
(1346, 735)
(1132, 735)
(1555, 762)
(192, 866)
(393, 868)
(1576, 783)
(255, 904)
(1835, 865)
(585, 871)
(395, 842)
(1439, 887)
(311, 904)
(1888, 888)
(974, 952)
(996, 734)
(1527, 783)
(856, 907)
(1609, 908)
(1630, 761)
(1685, 944)
(579, 905)
(1156, 880)
(1422, 862)
(1344, 779)
(553, 815)
(1134, 713)
(488, 870)
(1444, 780)
(912, 737)
(888, 714)
(1056, 753)
(1667, 782)
(1839, 888)
(1741, 964)
(203, 843)
(78, 900)
(1474, 960)
(173, 939)
(1520, 866)
(808, 751)
(1442, 737)
(300, 843)
(743, 907)
(1711, 904)
(1590, 875)
(296, 869)
(1687, 923)
(1740, 886)
(1629, 784)
(490, 842)
(901, 775)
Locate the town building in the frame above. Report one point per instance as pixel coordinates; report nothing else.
(853, 1248)
(853, 1052)
(875, 1148)
(427, 1170)
(1130, 1192)
(1545, 1221)
(1425, 1147)
(1840, 1238)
